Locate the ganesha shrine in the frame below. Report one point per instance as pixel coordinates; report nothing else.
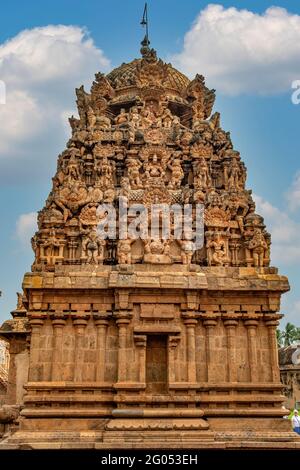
(146, 342)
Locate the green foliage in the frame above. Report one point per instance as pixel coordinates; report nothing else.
(289, 335)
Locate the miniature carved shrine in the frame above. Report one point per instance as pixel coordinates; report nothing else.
(147, 342)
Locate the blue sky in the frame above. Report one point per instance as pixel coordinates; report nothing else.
(252, 75)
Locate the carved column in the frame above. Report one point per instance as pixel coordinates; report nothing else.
(36, 323)
(79, 326)
(230, 327)
(172, 344)
(58, 324)
(141, 343)
(190, 323)
(251, 325)
(101, 324)
(210, 321)
(272, 323)
(123, 320)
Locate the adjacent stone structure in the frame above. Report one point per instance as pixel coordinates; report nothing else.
(289, 363)
(148, 342)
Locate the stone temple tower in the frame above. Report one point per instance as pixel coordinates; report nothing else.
(151, 341)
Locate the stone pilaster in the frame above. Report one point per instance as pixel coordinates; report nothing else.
(79, 327)
(36, 323)
(230, 324)
(190, 323)
(141, 343)
(101, 325)
(122, 321)
(271, 322)
(58, 324)
(251, 325)
(172, 345)
(210, 321)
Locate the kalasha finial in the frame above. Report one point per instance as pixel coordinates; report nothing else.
(145, 42)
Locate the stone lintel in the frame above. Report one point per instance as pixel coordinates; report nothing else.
(149, 329)
(129, 386)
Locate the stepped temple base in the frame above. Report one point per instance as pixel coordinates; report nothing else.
(179, 433)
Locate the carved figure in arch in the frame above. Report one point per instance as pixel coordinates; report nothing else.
(93, 248)
(202, 178)
(167, 117)
(104, 170)
(102, 121)
(51, 248)
(153, 169)
(216, 250)
(147, 117)
(73, 170)
(122, 118)
(234, 176)
(157, 247)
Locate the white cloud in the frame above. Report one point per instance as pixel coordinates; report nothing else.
(41, 68)
(293, 195)
(241, 51)
(26, 227)
(285, 231)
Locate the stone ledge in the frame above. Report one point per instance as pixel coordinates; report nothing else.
(157, 413)
(65, 413)
(211, 278)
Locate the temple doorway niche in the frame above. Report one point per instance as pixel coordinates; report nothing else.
(157, 364)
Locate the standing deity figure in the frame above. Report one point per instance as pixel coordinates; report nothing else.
(234, 180)
(177, 174)
(93, 248)
(124, 251)
(187, 250)
(258, 246)
(83, 100)
(104, 170)
(20, 305)
(133, 170)
(125, 187)
(216, 250)
(134, 117)
(73, 169)
(202, 178)
(91, 118)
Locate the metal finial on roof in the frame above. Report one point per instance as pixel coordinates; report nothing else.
(145, 42)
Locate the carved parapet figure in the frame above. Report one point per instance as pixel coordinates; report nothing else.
(9, 413)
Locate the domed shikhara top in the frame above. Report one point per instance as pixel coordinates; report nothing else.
(145, 134)
(127, 76)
